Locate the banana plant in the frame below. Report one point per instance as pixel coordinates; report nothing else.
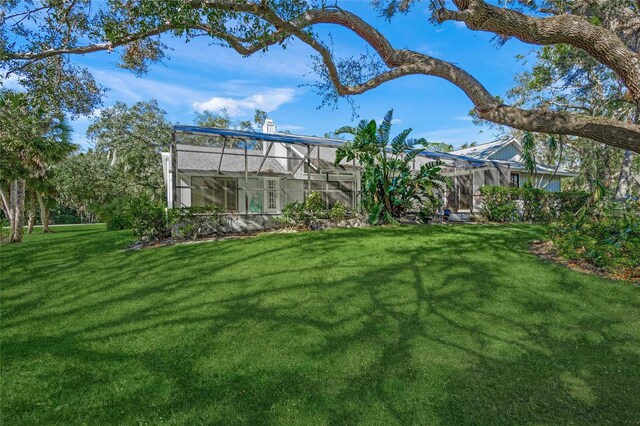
(389, 186)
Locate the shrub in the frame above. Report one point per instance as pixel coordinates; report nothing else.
(149, 219)
(65, 215)
(313, 209)
(144, 216)
(5, 230)
(338, 211)
(499, 203)
(606, 236)
(315, 206)
(195, 222)
(510, 204)
(117, 214)
(429, 209)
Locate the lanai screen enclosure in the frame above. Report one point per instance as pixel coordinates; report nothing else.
(254, 173)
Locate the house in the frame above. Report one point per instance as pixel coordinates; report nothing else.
(258, 173)
(508, 152)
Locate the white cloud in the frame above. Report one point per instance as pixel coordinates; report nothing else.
(268, 100)
(11, 82)
(127, 87)
(464, 118)
(459, 24)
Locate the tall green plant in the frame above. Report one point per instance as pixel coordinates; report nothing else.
(389, 186)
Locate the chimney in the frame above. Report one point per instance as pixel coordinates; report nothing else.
(268, 126)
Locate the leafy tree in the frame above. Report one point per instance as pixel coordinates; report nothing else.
(221, 120)
(31, 140)
(606, 31)
(132, 139)
(564, 78)
(86, 183)
(124, 164)
(389, 186)
(432, 146)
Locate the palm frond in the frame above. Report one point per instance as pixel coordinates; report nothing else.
(399, 143)
(346, 129)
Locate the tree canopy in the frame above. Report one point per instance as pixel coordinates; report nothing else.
(606, 31)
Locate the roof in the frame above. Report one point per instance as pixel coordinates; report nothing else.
(326, 143)
(258, 136)
(517, 164)
(485, 150)
(206, 159)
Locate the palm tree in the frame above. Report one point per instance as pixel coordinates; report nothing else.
(31, 139)
(389, 186)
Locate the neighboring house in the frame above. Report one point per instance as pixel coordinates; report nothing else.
(508, 152)
(253, 173)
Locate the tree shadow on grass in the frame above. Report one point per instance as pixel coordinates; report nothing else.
(392, 325)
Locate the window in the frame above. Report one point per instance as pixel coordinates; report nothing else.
(209, 191)
(515, 179)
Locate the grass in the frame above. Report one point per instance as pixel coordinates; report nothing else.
(397, 325)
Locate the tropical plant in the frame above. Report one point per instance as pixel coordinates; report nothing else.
(389, 185)
(605, 234)
(304, 214)
(31, 140)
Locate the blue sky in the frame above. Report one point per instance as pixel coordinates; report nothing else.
(198, 76)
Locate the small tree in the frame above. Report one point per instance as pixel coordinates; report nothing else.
(389, 186)
(31, 140)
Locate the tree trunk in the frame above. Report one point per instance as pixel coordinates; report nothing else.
(31, 221)
(624, 182)
(44, 213)
(16, 210)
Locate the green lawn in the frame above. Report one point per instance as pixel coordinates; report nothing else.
(406, 325)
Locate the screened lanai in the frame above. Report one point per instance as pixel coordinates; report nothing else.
(248, 172)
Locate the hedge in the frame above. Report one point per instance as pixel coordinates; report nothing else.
(515, 204)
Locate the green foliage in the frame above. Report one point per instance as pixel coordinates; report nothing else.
(32, 137)
(86, 183)
(313, 209)
(65, 215)
(587, 86)
(131, 139)
(607, 235)
(144, 216)
(117, 214)
(5, 229)
(314, 204)
(221, 120)
(338, 211)
(148, 219)
(389, 187)
(194, 222)
(513, 204)
(429, 209)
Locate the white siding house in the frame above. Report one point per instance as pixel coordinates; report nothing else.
(254, 173)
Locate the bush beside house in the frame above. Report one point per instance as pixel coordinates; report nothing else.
(514, 204)
(596, 231)
(605, 235)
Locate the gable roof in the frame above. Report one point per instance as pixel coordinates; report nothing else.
(486, 150)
